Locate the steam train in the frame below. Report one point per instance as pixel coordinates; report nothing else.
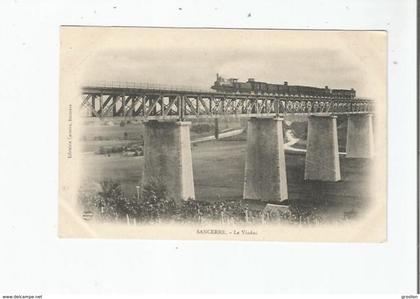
(232, 85)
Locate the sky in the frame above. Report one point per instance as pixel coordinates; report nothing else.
(192, 57)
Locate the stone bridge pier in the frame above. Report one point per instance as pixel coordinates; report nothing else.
(322, 158)
(167, 154)
(359, 136)
(167, 157)
(265, 166)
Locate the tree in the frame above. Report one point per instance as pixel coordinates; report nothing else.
(112, 204)
(156, 204)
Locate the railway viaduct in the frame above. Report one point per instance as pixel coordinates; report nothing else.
(167, 111)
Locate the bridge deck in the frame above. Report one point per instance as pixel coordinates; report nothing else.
(158, 102)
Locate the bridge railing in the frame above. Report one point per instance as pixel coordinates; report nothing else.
(145, 86)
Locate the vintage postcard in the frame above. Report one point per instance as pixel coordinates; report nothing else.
(223, 134)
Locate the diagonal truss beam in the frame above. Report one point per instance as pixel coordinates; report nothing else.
(150, 105)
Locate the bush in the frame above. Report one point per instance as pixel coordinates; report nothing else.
(202, 128)
(304, 213)
(154, 204)
(102, 150)
(113, 203)
(109, 203)
(300, 129)
(105, 150)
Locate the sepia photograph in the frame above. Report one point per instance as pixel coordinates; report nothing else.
(184, 148)
(223, 134)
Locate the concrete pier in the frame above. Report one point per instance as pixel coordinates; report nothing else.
(322, 160)
(265, 166)
(167, 157)
(359, 136)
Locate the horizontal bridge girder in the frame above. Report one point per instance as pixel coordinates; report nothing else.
(149, 104)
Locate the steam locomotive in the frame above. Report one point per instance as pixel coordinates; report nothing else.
(232, 85)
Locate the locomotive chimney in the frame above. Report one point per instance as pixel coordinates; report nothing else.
(326, 86)
(285, 83)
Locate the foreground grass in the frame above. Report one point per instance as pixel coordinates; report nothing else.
(219, 172)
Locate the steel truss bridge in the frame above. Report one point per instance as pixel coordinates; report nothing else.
(144, 101)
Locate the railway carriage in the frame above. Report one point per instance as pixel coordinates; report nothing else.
(232, 85)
